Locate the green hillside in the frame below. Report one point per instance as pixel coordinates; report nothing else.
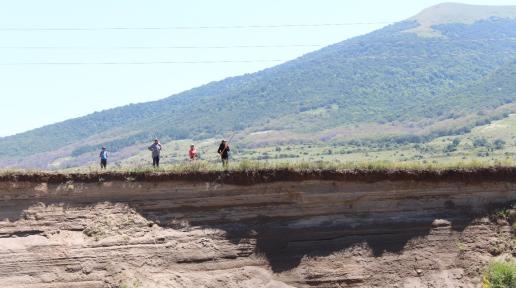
(389, 76)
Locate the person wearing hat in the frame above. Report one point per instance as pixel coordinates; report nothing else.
(192, 153)
(224, 153)
(103, 158)
(155, 148)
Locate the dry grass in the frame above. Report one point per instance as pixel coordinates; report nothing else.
(248, 165)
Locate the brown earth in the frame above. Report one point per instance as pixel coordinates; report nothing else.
(254, 229)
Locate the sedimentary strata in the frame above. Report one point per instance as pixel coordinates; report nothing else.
(254, 229)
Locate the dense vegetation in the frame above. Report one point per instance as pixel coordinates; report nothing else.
(386, 76)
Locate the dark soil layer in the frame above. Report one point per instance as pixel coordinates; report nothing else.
(244, 177)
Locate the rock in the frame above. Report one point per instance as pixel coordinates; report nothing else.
(441, 223)
(512, 215)
(502, 222)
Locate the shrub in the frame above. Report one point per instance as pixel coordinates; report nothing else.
(450, 148)
(499, 144)
(480, 142)
(500, 275)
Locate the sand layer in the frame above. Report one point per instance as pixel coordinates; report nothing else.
(254, 229)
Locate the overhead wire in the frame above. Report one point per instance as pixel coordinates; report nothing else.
(351, 57)
(440, 40)
(163, 47)
(482, 40)
(125, 28)
(269, 26)
(141, 63)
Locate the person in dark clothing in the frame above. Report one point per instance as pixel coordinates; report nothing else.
(155, 148)
(224, 153)
(103, 158)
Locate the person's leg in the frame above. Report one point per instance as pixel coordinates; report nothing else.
(153, 161)
(103, 163)
(157, 162)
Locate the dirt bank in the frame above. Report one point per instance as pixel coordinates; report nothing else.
(254, 229)
(273, 175)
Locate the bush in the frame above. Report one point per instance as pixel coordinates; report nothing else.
(500, 275)
(499, 144)
(480, 142)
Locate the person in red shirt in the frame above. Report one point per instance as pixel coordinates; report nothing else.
(193, 153)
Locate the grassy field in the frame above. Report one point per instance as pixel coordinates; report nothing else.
(493, 144)
(250, 165)
(260, 167)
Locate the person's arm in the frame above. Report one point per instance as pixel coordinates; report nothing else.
(150, 148)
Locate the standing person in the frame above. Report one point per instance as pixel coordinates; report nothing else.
(224, 153)
(193, 153)
(103, 158)
(156, 151)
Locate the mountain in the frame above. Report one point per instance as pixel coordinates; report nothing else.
(453, 13)
(432, 71)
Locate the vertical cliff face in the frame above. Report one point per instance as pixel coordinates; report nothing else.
(259, 230)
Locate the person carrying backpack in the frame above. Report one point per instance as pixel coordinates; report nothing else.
(224, 153)
(103, 158)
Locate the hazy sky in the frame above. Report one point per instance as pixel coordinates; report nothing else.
(35, 95)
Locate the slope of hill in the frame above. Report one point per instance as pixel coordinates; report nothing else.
(389, 76)
(446, 13)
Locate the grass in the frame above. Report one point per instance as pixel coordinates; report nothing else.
(131, 284)
(437, 153)
(327, 156)
(461, 246)
(253, 165)
(500, 275)
(429, 154)
(504, 214)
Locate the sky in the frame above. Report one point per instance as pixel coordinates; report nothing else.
(61, 59)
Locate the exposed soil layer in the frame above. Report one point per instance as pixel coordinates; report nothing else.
(271, 175)
(255, 229)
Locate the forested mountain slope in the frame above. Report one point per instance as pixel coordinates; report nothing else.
(394, 75)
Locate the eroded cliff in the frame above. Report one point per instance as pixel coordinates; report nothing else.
(254, 229)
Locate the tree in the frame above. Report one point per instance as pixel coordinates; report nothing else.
(499, 144)
(480, 142)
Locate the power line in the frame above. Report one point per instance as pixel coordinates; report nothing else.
(368, 57)
(273, 26)
(139, 63)
(160, 47)
(440, 40)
